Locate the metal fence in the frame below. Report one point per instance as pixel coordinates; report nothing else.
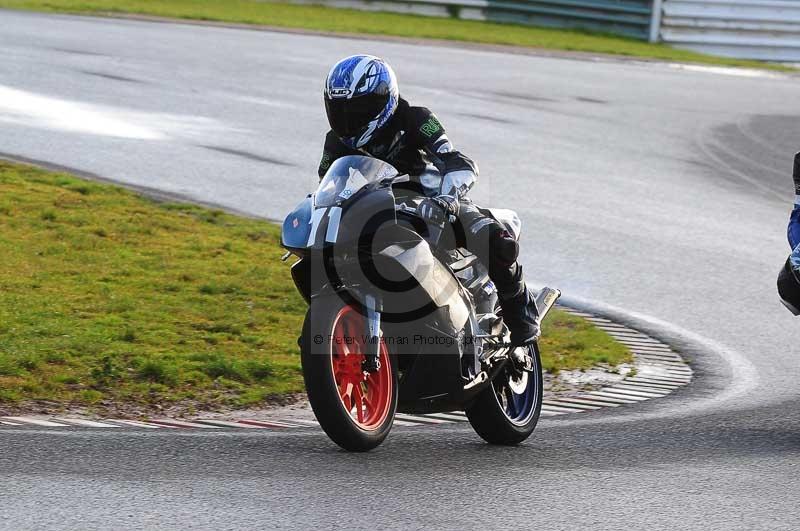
(751, 29)
(466, 9)
(624, 17)
(748, 29)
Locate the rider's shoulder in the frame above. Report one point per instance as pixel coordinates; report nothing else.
(334, 145)
(331, 138)
(422, 121)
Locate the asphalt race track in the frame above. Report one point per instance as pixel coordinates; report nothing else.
(657, 193)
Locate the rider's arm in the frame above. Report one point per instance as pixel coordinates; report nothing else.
(793, 230)
(459, 172)
(333, 149)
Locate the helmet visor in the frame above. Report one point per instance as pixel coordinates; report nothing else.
(347, 117)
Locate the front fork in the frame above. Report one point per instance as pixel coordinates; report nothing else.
(372, 362)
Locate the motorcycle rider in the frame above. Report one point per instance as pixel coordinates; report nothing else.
(789, 277)
(367, 116)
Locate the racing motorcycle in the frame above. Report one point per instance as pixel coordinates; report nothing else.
(400, 318)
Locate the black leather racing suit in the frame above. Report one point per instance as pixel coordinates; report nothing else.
(411, 140)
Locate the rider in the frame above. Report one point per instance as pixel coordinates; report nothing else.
(789, 277)
(368, 116)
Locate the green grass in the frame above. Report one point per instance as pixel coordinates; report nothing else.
(105, 295)
(108, 298)
(570, 342)
(320, 18)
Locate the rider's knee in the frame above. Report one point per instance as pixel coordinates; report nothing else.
(503, 247)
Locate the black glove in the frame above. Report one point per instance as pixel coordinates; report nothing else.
(438, 209)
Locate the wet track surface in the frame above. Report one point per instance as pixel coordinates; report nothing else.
(658, 190)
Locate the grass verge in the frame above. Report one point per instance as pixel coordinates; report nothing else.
(321, 18)
(569, 342)
(111, 300)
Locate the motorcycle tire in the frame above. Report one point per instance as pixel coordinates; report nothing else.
(356, 409)
(507, 411)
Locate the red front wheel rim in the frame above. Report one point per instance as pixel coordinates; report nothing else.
(367, 397)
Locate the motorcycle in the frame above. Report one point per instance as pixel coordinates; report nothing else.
(400, 318)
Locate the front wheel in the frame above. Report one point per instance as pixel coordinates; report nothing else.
(356, 409)
(507, 411)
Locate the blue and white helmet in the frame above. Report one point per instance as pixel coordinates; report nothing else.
(361, 95)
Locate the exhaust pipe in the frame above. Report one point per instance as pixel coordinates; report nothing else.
(545, 301)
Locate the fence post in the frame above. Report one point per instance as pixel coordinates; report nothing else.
(655, 21)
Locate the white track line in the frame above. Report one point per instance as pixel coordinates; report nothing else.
(676, 372)
(227, 424)
(659, 378)
(625, 398)
(37, 422)
(86, 423)
(662, 360)
(649, 385)
(632, 338)
(589, 402)
(660, 381)
(293, 423)
(643, 391)
(615, 399)
(419, 420)
(658, 361)
(657, 353)
(546, 413)
(652, 348)
(626, 392)
(137, 423)
(174, 423)
(645, 388)
(269, 423)
(656, 348)
(446, 416)
(632, 392)
(301, 422)
(557, 409)
(571, 405)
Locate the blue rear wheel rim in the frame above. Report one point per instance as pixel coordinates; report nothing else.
(518, 397)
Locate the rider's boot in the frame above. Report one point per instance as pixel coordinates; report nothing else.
(519, 310)
(522, 318)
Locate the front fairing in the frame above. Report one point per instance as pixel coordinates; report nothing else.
(355, 186)
(342, 225)
(296, 227)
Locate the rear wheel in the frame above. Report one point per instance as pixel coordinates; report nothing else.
(507, 411)
(356, 409)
